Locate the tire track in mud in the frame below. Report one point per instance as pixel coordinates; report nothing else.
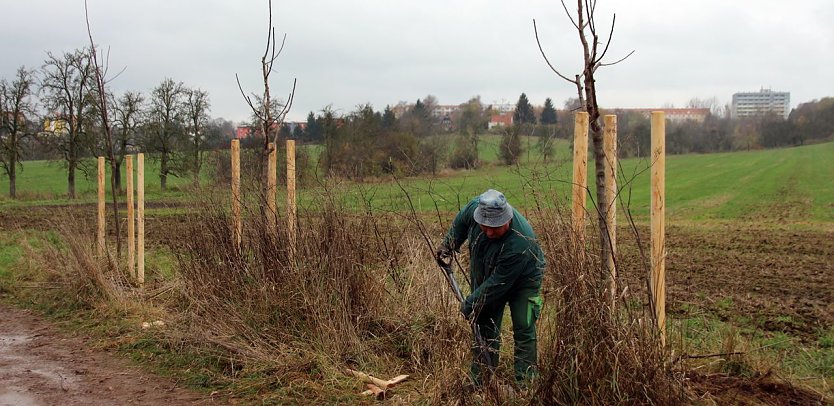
(38, 366)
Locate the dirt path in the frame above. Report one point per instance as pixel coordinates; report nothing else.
(39, 366)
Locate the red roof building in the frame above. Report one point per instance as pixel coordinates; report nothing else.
(501, 120)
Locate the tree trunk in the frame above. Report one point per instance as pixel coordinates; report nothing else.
(71, 179)
(599, 159)
(12, 179)
(117, 176)
(163, 172)
(197, 166)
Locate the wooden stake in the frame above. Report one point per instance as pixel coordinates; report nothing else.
(140, 219)
(272, 186)
(101, 209)
(374, 390)
(381, 384)
(291, 209)
(580, 174)
(237, 226)
(658, 222)
(131, 232)
(610, 149)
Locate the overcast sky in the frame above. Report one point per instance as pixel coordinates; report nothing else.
(346, 53)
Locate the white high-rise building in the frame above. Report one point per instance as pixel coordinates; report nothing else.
(763, 102)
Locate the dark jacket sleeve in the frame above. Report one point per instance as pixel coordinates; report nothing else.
(459, 231)
(507, 269)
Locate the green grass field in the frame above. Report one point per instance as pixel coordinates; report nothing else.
(790, 184)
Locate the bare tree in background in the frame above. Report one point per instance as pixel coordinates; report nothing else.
(268, 117)
(166, 128)
(196, 110)
(100, 81)
(15, 104)
(127, 116)
(585, 24)
(66, 84)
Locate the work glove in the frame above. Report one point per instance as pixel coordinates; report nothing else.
(444, 252)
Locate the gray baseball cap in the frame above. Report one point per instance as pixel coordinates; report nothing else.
(493, 209)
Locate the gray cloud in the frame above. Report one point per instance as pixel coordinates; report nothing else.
(347, 53)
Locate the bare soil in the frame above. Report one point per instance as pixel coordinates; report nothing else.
(41, 366)
(765, 390)
(776, 279)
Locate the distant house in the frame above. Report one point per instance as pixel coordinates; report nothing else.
(442, 111)
(57, 125)
(675, 115)
(243, 132)
(501, 120)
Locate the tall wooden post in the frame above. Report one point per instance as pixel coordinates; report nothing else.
(131, 232)
(610, 149)
(291, 209)
(237, 226)
(101, 208)
(140, 219)
(658, 222)
(580, 174)
(272, 186)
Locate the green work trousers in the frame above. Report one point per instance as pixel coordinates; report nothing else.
(525, 305)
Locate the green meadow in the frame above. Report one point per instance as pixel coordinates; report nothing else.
(792, 184)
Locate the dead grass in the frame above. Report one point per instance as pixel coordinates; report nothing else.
(361, 290)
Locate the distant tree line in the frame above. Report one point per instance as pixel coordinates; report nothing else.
(51, 113)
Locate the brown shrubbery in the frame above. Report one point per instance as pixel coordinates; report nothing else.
(362, 291)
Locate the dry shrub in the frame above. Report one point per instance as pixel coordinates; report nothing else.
(72, 270)
(360, 291)
(591, 353)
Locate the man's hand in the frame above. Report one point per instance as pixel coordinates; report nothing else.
(443, 253)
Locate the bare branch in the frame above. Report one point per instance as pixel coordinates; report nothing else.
(269, 31)
(617, 61)
(536, 31)
(281, 49)
(243, 93)
(608, 43)
(570, 17)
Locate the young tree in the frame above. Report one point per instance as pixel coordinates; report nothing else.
(313, 132)
(585, 83)
(127, 117)
(510, 147)
(389, 120)
(524, 113)
(548, 113)
(100, 81)
(473, 119)
(197, 107)
(67, 85)
(297, 133)
(269, 115)
(417, 120)
(547, 133)
(15, 104)
(165, 131)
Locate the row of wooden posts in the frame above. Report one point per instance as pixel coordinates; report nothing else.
(658, 202)
(136, 236)
(272, 187)
(136, 249)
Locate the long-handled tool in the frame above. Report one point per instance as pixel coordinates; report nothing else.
(484, 357)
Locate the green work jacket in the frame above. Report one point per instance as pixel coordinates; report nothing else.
(498, 266)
